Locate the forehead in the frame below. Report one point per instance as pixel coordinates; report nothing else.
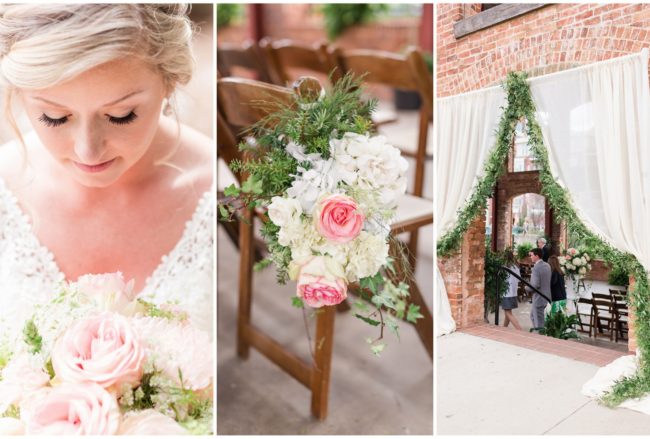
(104, 83)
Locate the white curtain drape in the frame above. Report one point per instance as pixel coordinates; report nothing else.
(594, 121)
(465, 127)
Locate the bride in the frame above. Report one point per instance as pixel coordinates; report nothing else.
(106, 179)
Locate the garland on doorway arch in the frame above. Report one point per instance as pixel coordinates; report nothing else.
(520, 105)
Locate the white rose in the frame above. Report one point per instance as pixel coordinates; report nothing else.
(284, 211)
(367, 255)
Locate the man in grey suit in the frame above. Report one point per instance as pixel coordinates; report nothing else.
(540, 278)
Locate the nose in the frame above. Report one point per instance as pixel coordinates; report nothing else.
(89, 143)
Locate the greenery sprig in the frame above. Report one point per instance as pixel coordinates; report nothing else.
(521, 107)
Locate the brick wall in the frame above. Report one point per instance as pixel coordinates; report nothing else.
(463, 276)
(553, 38)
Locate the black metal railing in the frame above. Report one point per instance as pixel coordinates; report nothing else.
(498, 289)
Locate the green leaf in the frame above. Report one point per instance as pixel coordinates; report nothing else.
(368, 320)
(393, 326)
(225, 214)
(297, 302)
(413, 313)
(231, 191)
(362, 306)
(372, 283)
(252, 185)
(32, 338)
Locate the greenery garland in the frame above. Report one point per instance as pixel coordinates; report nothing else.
(520, 107)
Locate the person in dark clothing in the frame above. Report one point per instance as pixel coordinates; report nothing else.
(558, 290)
(546, 249)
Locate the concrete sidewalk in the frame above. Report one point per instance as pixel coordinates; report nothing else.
(488, 387)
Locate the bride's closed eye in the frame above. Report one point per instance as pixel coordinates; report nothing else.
(55, 122)
(52, 122)
(124, 119)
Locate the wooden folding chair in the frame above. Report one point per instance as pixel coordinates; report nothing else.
(603, 319)
(246, 56)
(586, 311)
(235, 96)
(406, 72)
(621, 316)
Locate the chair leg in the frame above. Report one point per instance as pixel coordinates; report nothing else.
(412, 247)
(320, 375)
(246, 255)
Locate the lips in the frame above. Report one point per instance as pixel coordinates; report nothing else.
(99, 167)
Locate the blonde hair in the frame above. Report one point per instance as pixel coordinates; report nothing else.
(46, 44)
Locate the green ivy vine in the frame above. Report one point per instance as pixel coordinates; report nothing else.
(521, 107)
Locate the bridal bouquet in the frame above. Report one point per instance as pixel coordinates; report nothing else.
(575, 263)
(330, 189)
(96, 361)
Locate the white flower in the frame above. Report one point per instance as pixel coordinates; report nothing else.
(577, 262)
(149, 422)
(309, 184)
(561, 260)
(570, 266)
(367, 255)
(284, 211)
(587, 257)
(582, 270)
(109, 292)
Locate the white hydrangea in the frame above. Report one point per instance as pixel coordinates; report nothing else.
(582, 270)
(577, 262)
(301, 239)
(371, 164)
(309, 184)
(367, 255)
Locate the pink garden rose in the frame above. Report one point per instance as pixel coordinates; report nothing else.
(109, 291)
(103, 349)
(339, 218)
(321, 282)
(71, 409)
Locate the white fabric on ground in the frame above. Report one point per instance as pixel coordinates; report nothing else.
(445, 323)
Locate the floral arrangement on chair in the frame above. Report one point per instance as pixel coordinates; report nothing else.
(330, 189)
(96, 360)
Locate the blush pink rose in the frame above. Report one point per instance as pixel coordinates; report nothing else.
(321, 282)
(339, 218)
(103, 349)
(71, 409)
(149, 422)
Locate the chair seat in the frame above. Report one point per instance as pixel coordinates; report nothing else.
(412, 212)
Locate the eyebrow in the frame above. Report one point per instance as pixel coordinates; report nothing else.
(123, 98)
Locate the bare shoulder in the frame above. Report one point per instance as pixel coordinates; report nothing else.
(13, 160)
(195, 157)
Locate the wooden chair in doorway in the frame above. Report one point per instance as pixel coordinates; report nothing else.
(405, 72)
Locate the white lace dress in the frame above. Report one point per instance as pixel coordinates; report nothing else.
(29, 274)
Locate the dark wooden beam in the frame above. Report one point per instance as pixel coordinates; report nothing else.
(493, 16)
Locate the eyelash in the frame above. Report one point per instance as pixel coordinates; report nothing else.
(53, 123)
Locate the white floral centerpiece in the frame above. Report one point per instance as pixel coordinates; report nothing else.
(330, 188)
(575, 264)
(97, 361)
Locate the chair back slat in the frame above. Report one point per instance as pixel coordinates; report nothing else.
(246, 56)
(284, 55)
(244, 102)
